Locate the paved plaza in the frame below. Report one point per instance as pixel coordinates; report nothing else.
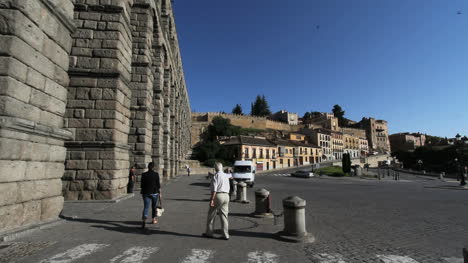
(417, 219)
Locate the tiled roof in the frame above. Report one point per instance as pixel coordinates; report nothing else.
(282, 142)
(324, 131)
(304, 144)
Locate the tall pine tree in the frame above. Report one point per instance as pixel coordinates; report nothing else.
(260, 107)
(237, 110)
(338, 112)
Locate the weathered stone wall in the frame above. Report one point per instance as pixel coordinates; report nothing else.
(87, 87)
(127, 101)
(142, 85)
(34, 46)
(361, 133)
(99, 100)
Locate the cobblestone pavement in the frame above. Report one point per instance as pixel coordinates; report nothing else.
(110, 232)
(355, 220)
(352, 219)
(11, 251)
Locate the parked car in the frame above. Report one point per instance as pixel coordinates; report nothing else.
(302, 173)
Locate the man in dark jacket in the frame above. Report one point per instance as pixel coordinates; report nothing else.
(150, 191)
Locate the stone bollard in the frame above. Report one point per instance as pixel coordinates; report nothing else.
(294, 221)
(358, 171)
(262, 204)
(441, 176)
(242, 193)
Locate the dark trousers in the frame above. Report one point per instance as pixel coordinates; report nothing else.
(130, 186)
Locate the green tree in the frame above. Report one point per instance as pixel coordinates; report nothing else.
(209, 150)
(315, 114)
(260, 107)
(346, 163)
(221, 127)
(237, 110)
(307, 115)
(310, 115)
(339, 113)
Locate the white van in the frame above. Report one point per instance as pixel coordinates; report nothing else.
(244, 171)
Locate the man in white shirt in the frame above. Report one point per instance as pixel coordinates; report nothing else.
(219, 201)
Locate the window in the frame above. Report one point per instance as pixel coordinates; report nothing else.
(242, 169)
(246, 152)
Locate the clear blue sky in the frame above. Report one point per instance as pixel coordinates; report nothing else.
(405, 61)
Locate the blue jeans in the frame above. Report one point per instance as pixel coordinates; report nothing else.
(147, 199)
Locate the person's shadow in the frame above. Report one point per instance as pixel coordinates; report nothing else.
(129, 227)
(134, 227)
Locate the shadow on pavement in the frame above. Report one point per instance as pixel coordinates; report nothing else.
(241, 214)
(133, 227)
(190, 200)
(145, 231)
(128, 227)
(253, 234)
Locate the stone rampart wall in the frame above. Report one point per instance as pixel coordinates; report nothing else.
(361, 133)
(245, 121)
(202, 120)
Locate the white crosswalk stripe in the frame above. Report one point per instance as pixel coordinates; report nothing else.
(262, 257)
(329, 258)
(75, 253)
(135, 255)
(396, 259)
(199, 256)
(140, 254)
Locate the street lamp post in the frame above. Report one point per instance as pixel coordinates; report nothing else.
(459, 160)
